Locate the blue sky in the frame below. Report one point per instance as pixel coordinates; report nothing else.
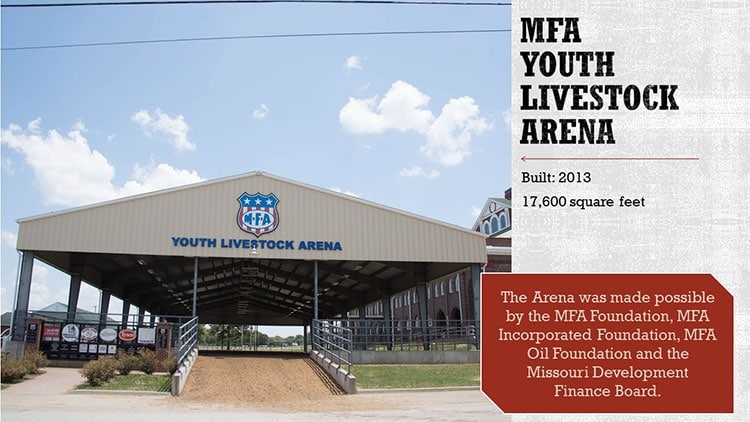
(402, 120)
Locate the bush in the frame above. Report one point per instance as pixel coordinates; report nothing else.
(13, 368)
(35, 361)
(148, 360)
(126, 362)
(171, 364)
(100, 371)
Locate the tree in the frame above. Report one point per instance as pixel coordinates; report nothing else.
(231, 335)
(203, 334)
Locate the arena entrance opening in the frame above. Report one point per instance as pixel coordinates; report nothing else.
(253, 249)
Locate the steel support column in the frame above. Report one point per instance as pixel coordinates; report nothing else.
(475, 285)
(304, 336)
(125, 312)
(388, 319)
(22, 295)
(422, 303)
(141, 316)
(104, 307)
(364, 330)
(195, 287)
(315, 289)
(73, 292)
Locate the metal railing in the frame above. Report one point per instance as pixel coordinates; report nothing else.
(237, 346)
(4, 337)
(187, 339)
(334, 341)
(412, 335)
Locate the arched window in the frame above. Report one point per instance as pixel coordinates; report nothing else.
(440, 318)
(456, 315)
(487, 228)
(495, 227)
(503, 221)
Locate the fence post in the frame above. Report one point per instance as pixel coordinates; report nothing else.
(163, 344)
(33, 337)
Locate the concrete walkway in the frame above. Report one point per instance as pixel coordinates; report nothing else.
(46, 398)
(54, 381)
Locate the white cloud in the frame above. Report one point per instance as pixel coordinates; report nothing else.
(157, 176)
(357, 117)
(67, 171)
(88, 297)
(78, 125)
(45, 290)
(40, 295)
(417, 171)
(261, 113)
(475, 212)
(350, 193)
(353, 63)
(507, 117)
(403, 108)
(9, 166)
(35, 124)
(9, 238)
(175, 128)
(6, 302)
(449, 136)
(70, 173)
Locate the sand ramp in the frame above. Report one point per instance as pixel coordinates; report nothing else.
(257, 379)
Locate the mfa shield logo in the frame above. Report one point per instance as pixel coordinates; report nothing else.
(258, 214)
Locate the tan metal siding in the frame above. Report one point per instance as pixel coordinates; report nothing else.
(145, 224)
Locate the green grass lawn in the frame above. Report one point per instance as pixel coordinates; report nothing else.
(136, 382)
(416, 376)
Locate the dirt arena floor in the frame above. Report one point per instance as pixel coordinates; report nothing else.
(290, 381)
(286, 382)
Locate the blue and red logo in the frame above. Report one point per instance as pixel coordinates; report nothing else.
(258, 213)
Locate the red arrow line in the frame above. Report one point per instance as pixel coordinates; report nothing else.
(525, 158)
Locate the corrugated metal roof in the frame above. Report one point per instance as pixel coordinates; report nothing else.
(141, 248)
(206, 213)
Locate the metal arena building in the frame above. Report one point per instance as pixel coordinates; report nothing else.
(252, 249)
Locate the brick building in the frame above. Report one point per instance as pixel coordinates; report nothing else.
(451, 298)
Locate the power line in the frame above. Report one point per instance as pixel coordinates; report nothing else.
(247, 37)
(182, 2)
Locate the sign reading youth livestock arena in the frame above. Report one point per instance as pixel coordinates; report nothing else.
(258, 215)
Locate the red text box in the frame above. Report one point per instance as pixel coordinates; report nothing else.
(607, 343)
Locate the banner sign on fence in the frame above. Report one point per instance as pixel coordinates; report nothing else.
(62, 341)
